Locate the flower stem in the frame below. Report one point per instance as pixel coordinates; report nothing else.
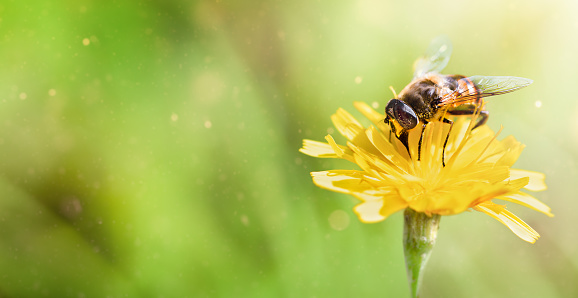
(419, 236)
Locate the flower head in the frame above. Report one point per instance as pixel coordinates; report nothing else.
(477, 170)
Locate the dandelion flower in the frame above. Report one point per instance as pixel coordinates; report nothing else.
(391, 177)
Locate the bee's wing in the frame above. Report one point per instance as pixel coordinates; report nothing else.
(492, 85)
(436, 57)
(485, 86)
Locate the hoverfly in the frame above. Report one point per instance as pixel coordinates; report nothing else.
(430, 96)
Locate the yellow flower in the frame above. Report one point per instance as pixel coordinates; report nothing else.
(391, 178)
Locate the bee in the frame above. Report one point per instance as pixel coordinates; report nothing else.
(432, 96)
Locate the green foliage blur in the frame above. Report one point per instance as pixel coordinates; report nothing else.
(150, 148)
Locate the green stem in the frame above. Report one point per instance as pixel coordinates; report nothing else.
(419, 236)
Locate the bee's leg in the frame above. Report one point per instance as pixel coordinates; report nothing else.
(482, 119)
(468, 110)
(403, 137)
(420, 141)
(391, 130)
(451, 123)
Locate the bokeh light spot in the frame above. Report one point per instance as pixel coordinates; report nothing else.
(339, 220)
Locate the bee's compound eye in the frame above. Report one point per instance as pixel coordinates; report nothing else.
(403, 113)
(390, 108)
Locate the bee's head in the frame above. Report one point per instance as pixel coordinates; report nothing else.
(402, 113)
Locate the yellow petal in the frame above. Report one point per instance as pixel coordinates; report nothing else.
(364, 163)
(350, 128)
(343, 181)
(443, 201)
(318, 149)
(481, 172)
(375, 117)
(517, 184)
(536, 182)
(369, 211)
(368, 112)
(515, 224)
(377, 166)
(527, 200)
(378, 203)
(386, 148)
(475, 149)
(340, 151)
(495, 190)
(413, 141)
(459, 131)
(378, 210)
(346, 124)
(514, 149)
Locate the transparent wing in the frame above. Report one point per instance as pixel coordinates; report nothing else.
(489, 85)
(436, 57)
(484, 86)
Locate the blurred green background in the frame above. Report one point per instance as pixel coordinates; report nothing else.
(149, 148)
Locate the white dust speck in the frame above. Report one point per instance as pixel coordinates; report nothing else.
(339, 220)
(375, 104)
(281, 34)
(538, 104)
(245, 220)
(358, 80)
(208, 124)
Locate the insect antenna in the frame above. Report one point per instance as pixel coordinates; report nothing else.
(393, 91)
